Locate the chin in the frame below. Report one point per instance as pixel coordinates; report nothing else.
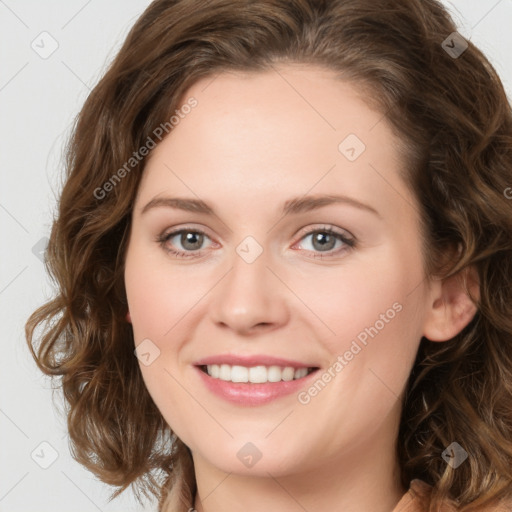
(252, 458)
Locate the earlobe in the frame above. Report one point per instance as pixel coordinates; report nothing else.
(452, 308)
(128, 317)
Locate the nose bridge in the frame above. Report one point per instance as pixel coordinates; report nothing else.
(249, 295)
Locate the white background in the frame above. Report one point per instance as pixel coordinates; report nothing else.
(39, 99)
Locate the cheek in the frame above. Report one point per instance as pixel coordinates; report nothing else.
(157, 302)
(362, 295)
(158, 294)
(374, 314)
(162, 301)
(370, 363)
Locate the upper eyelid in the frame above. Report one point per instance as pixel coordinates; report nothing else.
(326, 227)
(302, 232)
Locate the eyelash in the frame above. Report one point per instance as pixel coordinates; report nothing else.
(162, 239)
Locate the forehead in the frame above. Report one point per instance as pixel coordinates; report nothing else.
(282, 132)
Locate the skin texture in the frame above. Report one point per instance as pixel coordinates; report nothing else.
(253, 142)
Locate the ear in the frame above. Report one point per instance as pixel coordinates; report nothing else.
(451, 308)
(128, 318)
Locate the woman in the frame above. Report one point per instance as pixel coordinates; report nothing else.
(376, 376)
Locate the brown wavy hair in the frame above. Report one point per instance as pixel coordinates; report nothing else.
(454, 120)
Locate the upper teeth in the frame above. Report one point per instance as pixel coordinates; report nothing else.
(255, 374)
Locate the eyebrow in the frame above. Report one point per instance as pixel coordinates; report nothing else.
(290, 207)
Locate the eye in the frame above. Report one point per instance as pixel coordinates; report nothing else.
(190, 239)
(324, 240)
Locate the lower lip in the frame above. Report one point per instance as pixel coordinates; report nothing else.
(250, 394)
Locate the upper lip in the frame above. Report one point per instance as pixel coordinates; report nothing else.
(251, 360)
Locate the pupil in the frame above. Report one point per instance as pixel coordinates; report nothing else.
(321, 236)
(189, 238)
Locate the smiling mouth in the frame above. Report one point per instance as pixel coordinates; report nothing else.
(255, 374)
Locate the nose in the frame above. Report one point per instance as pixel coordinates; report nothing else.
(250, 298)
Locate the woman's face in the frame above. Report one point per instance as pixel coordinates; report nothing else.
(262, 166)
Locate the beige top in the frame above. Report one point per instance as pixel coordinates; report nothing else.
(417, 499)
